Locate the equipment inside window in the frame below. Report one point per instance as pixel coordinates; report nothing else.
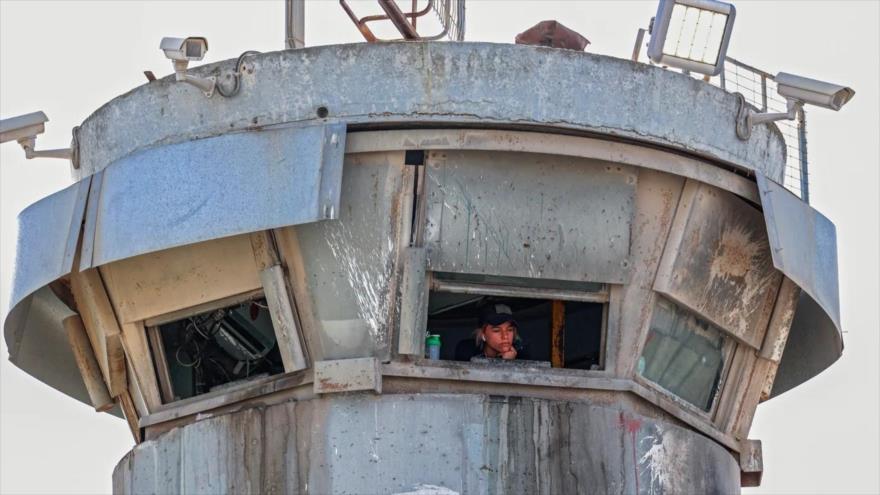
(212, 350)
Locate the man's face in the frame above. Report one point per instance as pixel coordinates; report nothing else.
(499, 337)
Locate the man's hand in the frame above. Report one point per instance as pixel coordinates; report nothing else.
(511, 354)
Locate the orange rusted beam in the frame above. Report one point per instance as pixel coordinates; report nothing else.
(557, 335)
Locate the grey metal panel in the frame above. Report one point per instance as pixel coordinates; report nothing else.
(553, 144)
(206, 189)
(804, 247)
(464, 83)
(87, 247)
(804, 244)
(413, 302)
(529, 215)
(349, 263)
(48, 231)
(814, 343)
(35, 337)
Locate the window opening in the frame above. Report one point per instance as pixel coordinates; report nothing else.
(416, 158)
(684, 354)
(578, 326)
(215, 349)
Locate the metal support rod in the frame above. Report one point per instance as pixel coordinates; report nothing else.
(509, 291)
(415, 7)
(637, 50)
(763, 93)
(802, 146)
(294, 24)
(397, 17)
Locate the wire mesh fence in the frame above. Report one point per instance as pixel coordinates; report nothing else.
(451, 14)
(759, 89)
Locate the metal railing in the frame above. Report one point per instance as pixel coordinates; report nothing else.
(450, 14)
(759, 89)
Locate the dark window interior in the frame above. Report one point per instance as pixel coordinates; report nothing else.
(211, 350)
(455, 317)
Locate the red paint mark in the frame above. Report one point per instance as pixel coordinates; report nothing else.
(632, 426)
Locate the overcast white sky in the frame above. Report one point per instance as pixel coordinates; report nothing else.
(67, 58)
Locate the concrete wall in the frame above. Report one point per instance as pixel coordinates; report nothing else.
(402, 443)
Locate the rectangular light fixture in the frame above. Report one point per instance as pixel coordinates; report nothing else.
(691, 34)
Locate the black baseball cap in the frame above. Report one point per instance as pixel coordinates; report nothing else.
(496, 314)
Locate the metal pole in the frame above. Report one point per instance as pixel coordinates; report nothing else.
(802, 148)
(640, 38)
(763, 93)
(294, 24)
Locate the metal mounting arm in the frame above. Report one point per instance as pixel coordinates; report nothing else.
(746, 118)
(29, 152)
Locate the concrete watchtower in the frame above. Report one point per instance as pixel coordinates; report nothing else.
(251, 279)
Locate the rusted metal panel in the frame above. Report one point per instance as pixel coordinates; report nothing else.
(780, 322)
(93, 304)
(48, 231)
(717, 262)
(206, 189)
(88, 365)
(534, 216)
(751, 463)
(348, 375)
(413, 303)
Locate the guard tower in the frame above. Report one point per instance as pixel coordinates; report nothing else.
(249, 280)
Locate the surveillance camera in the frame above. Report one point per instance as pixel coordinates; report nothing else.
(25, 129)
(183, 50)
(797, 92)
(819, 93)
(188, 49)
(22, 127)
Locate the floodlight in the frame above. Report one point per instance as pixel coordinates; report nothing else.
(797, 91)
(691, 35)
(25, 129)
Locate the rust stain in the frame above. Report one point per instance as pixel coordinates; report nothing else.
(328, 384)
